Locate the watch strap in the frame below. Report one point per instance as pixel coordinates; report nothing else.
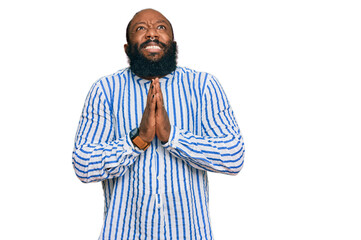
(138, 141)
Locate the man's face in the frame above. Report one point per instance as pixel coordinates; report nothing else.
(146, 26)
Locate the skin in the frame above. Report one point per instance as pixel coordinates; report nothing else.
(150, 24)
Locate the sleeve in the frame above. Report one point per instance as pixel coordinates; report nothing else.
(220, 148)
(97, 154)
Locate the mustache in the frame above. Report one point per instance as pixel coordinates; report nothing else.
(154, 41)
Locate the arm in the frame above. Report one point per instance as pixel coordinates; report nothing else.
(220, 147)
(97, 154)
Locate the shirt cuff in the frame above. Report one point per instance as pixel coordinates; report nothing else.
(130, 146)
(128, 150)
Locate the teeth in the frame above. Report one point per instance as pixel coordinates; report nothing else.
(152, 47)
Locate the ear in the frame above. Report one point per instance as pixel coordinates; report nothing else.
(126, 47)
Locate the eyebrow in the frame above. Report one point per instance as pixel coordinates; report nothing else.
(162, 21)
(159, 21)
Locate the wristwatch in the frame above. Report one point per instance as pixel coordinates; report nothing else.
(137, 141)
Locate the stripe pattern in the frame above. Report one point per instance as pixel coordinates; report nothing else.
(160, 193)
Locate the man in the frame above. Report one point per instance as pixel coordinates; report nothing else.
(150, 133)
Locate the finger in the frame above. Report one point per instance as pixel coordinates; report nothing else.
(150, 93)
(160, 109)
(155, 82)
(153, 102)
(158, 89)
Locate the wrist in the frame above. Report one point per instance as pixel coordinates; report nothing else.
(144, 135)
(137, 140)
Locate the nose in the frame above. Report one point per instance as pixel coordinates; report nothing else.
(152, 34)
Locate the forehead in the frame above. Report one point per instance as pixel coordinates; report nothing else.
(149, 17)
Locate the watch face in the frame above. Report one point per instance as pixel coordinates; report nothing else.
(134, 133)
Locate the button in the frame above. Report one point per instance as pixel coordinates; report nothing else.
(159, 205)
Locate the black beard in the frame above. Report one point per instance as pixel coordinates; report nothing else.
(144, 67)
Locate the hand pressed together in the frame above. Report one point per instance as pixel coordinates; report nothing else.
(155, 121)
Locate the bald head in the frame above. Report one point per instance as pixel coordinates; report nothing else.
(146, 13)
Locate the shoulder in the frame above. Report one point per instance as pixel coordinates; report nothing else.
(194, 74)
(186, 70)
(197, 77)
(107, 85)
(108, 82)
(124, 73)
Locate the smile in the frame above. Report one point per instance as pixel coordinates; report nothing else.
(152, 47)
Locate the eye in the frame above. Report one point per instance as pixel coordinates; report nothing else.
(161, 27)
(139, 28)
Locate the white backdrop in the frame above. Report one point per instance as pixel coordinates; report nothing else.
(291, 70)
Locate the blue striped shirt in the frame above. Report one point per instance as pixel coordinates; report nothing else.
(162, 192)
